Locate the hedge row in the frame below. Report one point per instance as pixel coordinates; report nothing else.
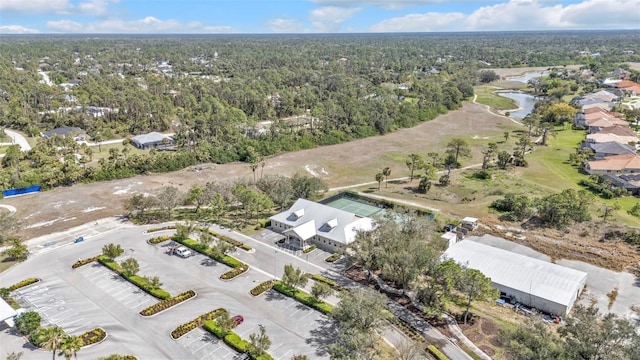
(227, 239)
(262, 288)
(233, 340)
(168, 227)
(93, 336)
(159, 239)
(310, 249)
(86, 261)
(332, 258)
(165, 304)
(333, 284)
(23, 283)
(303, 297)
(199, 321)
(238, 266)
(435, 352)
(136, 280)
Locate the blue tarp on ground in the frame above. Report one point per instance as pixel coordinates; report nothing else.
(21, 191)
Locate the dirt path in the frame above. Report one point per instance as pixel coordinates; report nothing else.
(338, 165)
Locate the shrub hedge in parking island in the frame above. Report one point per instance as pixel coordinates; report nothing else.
(199, 321)
(227, 239)
(159, 239)
(332, 258)
(165, 304)
(93, 336)
(23, 283)
(233, 340)
(262, 287)
(136, 280)
(86, 261)
(238, 266)
(303, 297)
(168, 227)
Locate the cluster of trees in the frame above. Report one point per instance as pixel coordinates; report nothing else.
(215, 199)
(586, 335)
(404, 253)
(16, 250)
(51, 338)
(558, 210)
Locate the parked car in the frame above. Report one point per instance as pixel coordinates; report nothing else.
(238, 319)
(183, 252)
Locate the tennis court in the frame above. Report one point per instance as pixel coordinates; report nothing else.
(355, 206)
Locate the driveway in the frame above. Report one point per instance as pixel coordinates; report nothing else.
(17, 138)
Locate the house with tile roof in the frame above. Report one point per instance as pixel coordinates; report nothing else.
(602, 137)
(617, 164)
(308, 223)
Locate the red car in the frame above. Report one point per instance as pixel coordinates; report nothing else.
(238, 319)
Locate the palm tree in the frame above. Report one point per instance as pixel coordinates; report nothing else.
(70, 347)
(53, 339)
(379, 178)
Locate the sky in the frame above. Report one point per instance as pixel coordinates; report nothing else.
(311, 16)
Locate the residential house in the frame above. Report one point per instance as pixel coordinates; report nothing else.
(152, 140)
(620, 73)
(604, 136)
(77, 133)
(617, 164)
(602, 150)
(631, 182)
(308, 223)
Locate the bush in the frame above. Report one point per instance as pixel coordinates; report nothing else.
(199, 321)
(303, 297)
(159, 239)
(234, 272)
(332, 258)
(136, 280)
(233, 340)
(23, 283)
(435, 352)
(82, 262)
(38, 337)
(238, 266)
(28, 322)
(261, 288)
(264, 223)
(168, 227)
(318, 277)
(93, 336)
(310, 249)
(482, 175)
(165, 304)
(227, 239)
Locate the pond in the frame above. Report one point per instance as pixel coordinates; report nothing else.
(525, 101)
(528, 76)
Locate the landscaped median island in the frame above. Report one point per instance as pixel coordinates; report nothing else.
(197, 322)
(238, 266)
(303, 297)
(82, 262)
(93, 337)
(165, 304)
(139, 281)
(159, 239)
(236, 243)
(4, 292)
(332, 258)
(262, 287)
(233, 340)
(326, 280)
(168, 227)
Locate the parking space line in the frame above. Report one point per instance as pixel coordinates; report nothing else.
(73, 322)
(308, 313)
(285, 354)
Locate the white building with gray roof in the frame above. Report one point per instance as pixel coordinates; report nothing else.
(308, 222)
(533, 282)
(152, 140)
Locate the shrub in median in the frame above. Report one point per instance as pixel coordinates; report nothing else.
(310, 249)
(23, 283)
(82, 262)
(303, 297)
(234, 272)
(262, 288)
(238, 266)
(168, 227)
(165, 304)
(332, 258)
(159, 239)
(93, 336)
(227, 239)
(318, 277)
(136, 280)
(199, 321)
(233, 340)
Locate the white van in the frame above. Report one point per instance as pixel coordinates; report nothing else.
(183, 252)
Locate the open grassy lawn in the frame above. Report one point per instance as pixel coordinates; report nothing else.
(487, 96)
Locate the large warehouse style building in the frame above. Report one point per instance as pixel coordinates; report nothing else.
(539, 284)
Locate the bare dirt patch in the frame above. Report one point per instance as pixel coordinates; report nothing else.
(342, 164)
(506, 72)
(488, 327)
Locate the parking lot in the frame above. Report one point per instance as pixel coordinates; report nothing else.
(93, 296)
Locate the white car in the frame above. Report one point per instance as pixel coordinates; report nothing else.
(183, 252)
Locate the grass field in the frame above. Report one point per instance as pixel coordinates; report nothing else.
(487, 97)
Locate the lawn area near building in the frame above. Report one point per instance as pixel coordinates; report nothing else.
(486, 96)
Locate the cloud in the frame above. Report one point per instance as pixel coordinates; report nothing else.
(387, 4)
(148, 25)
(56, 7)
(16, 29)
(523, 15)
(330, 18)
(285, 26)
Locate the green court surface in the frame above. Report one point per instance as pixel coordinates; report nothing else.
(354, 206)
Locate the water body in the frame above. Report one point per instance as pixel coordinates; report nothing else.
(525, 101)
(528, 76)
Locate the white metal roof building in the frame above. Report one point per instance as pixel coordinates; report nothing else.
(310, 222)
(535, 283)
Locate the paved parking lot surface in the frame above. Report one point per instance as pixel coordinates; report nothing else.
(204, 345)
